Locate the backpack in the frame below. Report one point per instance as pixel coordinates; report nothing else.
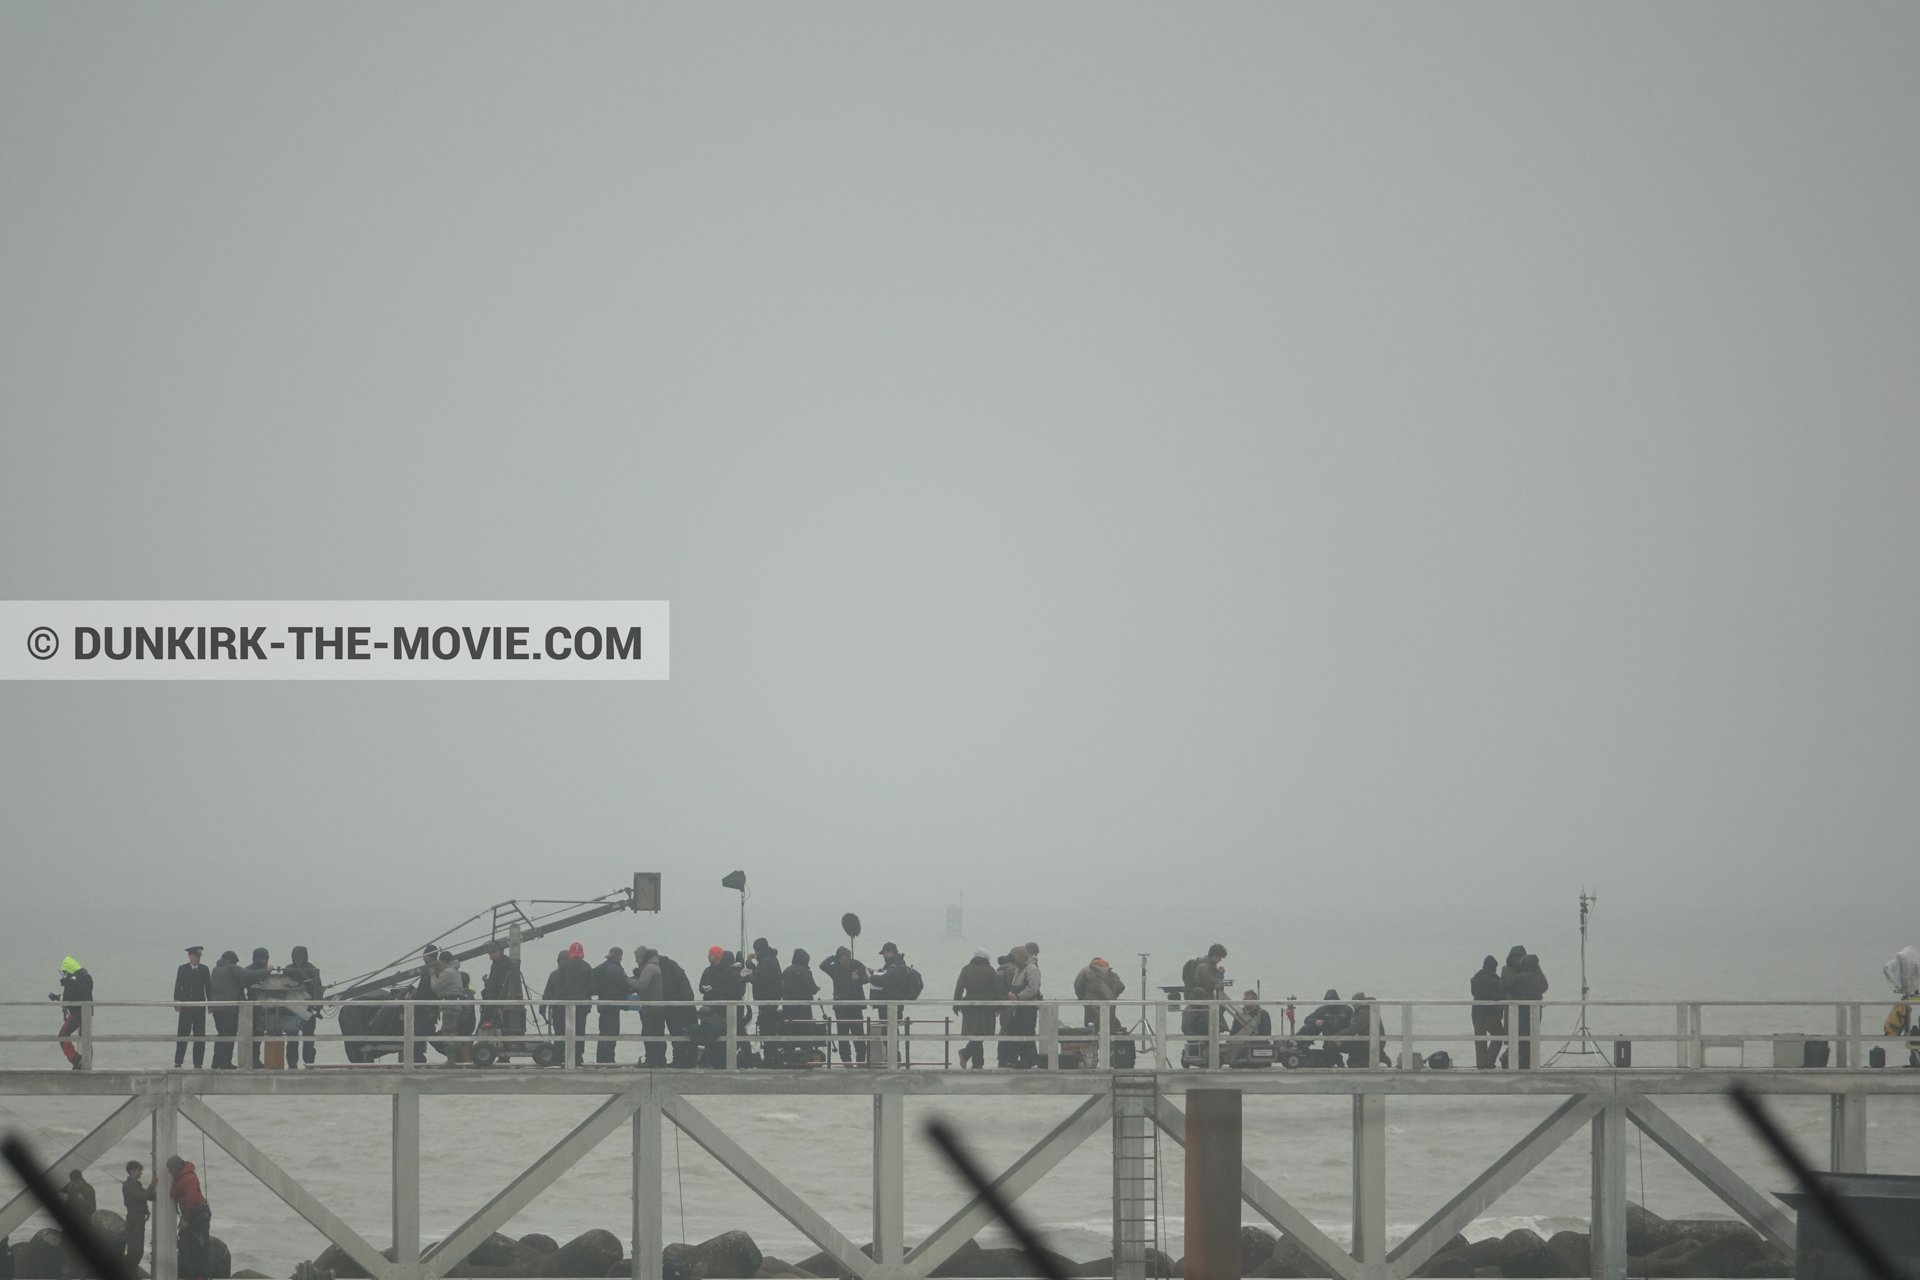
(913, 984)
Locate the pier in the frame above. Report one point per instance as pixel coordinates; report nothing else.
(1131, 1106)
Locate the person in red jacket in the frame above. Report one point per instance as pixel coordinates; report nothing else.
(196, 1219)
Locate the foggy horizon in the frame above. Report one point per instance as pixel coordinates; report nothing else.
(1315, 479)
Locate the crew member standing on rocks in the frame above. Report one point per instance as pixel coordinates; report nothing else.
(192, 987)
(135, 1198)
(1489, 1019)
(78, 1193)
(611, 988)
(76, 989)
(196, 1219)
(308, 975)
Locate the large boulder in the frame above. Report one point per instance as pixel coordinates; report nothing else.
(1256, 1246)
(731, 1255)
(1449, 1260)
(219, 1259)
(110, 1229)
(592, 1253)
(1648, 1232)
(1573, 1251)
(497, 1256)
(1288, 1261)
(1158, 1264)
(1523, 1255)
(39, 1258)
(961, 1263)
(539, 1243)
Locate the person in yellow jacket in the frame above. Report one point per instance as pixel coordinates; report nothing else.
(1903, 971)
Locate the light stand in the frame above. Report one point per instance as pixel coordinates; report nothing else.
(738, 880)
(1581, 1043)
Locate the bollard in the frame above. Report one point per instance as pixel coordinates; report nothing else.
(1213, 1184)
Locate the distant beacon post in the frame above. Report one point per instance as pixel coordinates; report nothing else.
(646, 891)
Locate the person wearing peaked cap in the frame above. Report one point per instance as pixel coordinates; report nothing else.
(192, 988)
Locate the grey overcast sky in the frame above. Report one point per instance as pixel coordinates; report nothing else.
(1211, 458)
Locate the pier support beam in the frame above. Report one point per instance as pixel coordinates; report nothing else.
(1213, 1184)
(889, 1177)
(1849, 1133)
(1134, 1174)
(647, 1191)
(166, 1215)
(406, 1185)
(1370, 1185)
(1609, 1222)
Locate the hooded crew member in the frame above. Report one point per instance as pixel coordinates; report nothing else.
(649, 987)
(1098, 981)
(1490, 1017)
(677, 989)
(308, 975)
(228, 981)
(978, 980)
(763, 975)
(1528, 985)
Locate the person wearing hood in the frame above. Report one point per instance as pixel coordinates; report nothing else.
(1489, 1016)
(259, 971)
(76, 989)
(576, 990)
(798, 987)
(196, 1217)
(507, 1017)
(849, 986)
(1903, 974)
(550, 996)
(1529, 984)
(611, 988)
(764, 979)
(1026, 989)
(1359, 1050)
(649, 988)
(191, 991)
(228, 982)
(1329, 1020)
(1098, 981)
(721, 983)
(978, 981)
(307, 974)
(676, 988)
(79, 1195)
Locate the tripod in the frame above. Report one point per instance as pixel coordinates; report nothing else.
(1580, 1043)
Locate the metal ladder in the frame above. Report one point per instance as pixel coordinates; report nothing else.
(1136, 1176)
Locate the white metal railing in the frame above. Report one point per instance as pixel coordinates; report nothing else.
(923, 1033)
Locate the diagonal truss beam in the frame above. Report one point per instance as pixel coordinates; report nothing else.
(785, 1201)
(1500, 1178)
(1267, 1202)
(277, 1180)
(1088, 1119)
(537, 1177)
(85, 1152)
(1694, 1157)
